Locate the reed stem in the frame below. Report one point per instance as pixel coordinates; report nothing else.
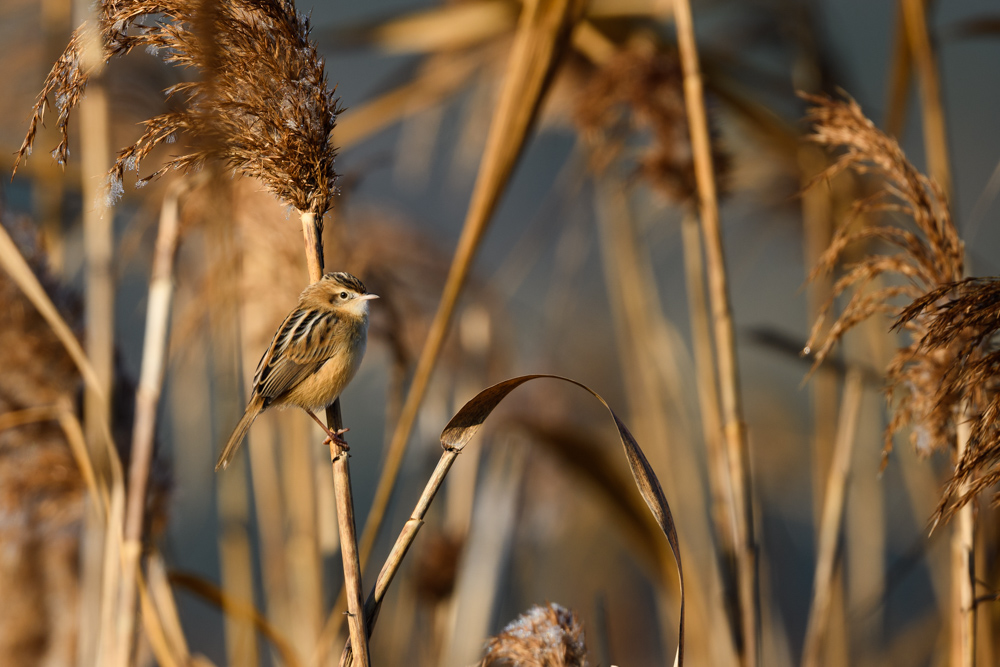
(725, 340)
(935, 130)
(832, 518)
(147, 400)
(311, 232)
(537, 46)
(963, 574)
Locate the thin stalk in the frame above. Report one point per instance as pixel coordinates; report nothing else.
(638, 318)
(935, 131)
(832, 518)
(725, 340)
(708, 390)
(233, 489)
(963, 574)
(395, 559)
(537, 46)
(98, 242)
(311, 233)
(270, 513)
(304, 579)
(147, 399)
(236, 558)
(817, 232)
(900, 77)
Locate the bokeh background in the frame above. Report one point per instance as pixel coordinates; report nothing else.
(581, 228)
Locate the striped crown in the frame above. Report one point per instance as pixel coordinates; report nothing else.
(344, 279)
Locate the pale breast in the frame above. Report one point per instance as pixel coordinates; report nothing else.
(320, 389)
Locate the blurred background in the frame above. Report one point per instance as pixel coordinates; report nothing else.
(585, 271)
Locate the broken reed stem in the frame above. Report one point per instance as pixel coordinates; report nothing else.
(725, 341)
(147, 398)
(935, 131)
(963, 575)
(832, 518)
(392, 563)
(311, 233)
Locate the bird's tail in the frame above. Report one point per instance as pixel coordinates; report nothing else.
(239, 433)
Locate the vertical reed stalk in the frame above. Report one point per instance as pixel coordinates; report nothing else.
(47, 193)
(900, 77)
(236, 559)
(638, 316)
(938, 165)
(98, 238)
(708, 392)
(100, 562)
(233, 490)
(935, 131)
(147, 400)
(304, 579)
(963, 575)
(817, 227)
(311, 233)
(270, 513)
(536, 48)
(725, 340)
(832, 519)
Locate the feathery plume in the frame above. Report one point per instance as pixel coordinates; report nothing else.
(549, 636)
(260, 105)
(642, 89)
(930, 256)
(963, 318)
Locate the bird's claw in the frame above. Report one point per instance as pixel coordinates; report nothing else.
(333, 437)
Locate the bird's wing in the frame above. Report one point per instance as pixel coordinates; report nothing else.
(302, 344)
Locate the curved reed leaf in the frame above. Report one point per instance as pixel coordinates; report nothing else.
(457, 434)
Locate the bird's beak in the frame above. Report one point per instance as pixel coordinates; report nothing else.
(367, 297)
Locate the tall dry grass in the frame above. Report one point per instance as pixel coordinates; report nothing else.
(535, 508)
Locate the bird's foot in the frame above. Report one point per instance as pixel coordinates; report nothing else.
(333, 437)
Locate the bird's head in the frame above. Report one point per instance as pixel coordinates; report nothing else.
(341, 291)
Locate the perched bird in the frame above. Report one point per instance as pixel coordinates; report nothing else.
(312, 357)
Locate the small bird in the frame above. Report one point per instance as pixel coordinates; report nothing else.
(313, 355)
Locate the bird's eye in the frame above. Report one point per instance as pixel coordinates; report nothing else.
(343, 295)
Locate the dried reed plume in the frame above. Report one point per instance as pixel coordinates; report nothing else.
(642, 89)
(261, 104)
(961, 321)
(930, 258)
(549, 636)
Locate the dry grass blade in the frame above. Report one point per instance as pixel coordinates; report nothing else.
(212, 593)
(261, 105)
(457, 434)
(538, 45)
(14, 263)
(445, 28)
(549, 636)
